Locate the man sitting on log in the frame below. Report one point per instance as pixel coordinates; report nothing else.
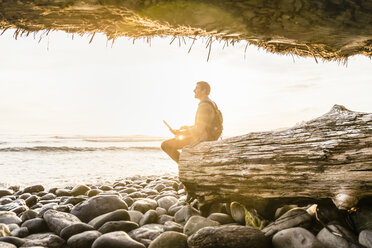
(207, 127)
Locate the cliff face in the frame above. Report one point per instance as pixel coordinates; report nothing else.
(328, 29)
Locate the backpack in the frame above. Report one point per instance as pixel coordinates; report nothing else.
(216, 128)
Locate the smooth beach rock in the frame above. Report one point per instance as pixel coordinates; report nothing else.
(160, 211)
(164, 218)
(185, 213)
(83, 240)
(33, 188)
(20, 232)
(10, 218)
(75, 200)
(63, 192)
(48, 196)
(56, 220)
(170, 240)
(173, 226)
(116, 240)
(365, 238)
(294, 238)
(96, 206)
(128, 190)
(293, 218)
(32, 200)
(176, 207)
(4, 230)
(330, 240)
(159, 187)
(144, 205)
(146, 232)
(28, 214)
(5, 200)
(6, 245)
(24, 196)
(14, 205)
(5, 192)
(167, 201)
(122, 225)
(79, 190)
(229, 237)
(221, 218)
(150, 192)
(19, 210)
(149, 217)
(46, 208)
(36, 225)
(74, 229)
(138, 195)
(49, 240)
(13, 240)
(237, 212)
(128, 200)
(197, 222)
(120, 214)
(106, 188)
(135, 216)
(93, 192)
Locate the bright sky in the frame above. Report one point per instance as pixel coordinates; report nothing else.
(70, 87)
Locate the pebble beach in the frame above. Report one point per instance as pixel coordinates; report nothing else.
(155, 212)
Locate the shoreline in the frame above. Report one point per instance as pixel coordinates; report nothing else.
(154, 211)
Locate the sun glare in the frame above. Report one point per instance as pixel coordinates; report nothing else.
(64, 86)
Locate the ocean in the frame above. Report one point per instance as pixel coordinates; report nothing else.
(57, 161)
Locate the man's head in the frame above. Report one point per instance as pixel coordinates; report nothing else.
(202, 89)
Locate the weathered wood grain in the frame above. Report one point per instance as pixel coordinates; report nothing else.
(327, 157)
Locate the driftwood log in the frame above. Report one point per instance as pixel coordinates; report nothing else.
(327, 157)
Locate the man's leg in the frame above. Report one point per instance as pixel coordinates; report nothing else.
(172, 145)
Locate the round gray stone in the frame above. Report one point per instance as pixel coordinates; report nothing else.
(10, 218)
(12, 240)
(79, 190)
(173, 226)
(170, 240)
(144, 205)
(120, 214)
(28, 214)
(49, 240)
(83, 240)
(365, 238)
(221, 218)
(56, 220)
(36, 225)
(116, 240)
(96, 206)
(196, 223)
(149, 217)
(146, 232)
(135, 216)
(330, 240)
(20, 232)
(6, 245)
(122, 225)
(167, 201)
(185, 213)
(33, 188)
(294, 238)
(74, 229)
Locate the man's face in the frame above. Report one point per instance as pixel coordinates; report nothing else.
(198, 92)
